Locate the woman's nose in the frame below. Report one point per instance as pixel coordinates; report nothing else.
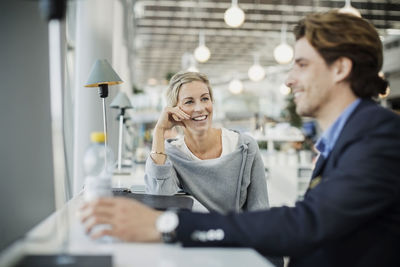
(199, 106)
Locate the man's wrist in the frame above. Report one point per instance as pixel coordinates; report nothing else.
(166, 224)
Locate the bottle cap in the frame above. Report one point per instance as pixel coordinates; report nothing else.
(98, 137)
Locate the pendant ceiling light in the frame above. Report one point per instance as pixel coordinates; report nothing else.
(348, 9)
(284, 89)
(202, 53)
(188, 62)
(192, 69)
(386, 94)
(283, 53)
(234, 16)
(236, 86)
(256, 72)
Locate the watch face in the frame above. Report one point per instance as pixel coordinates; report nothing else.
(167, 222)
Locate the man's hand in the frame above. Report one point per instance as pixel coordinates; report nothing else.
(129, 219)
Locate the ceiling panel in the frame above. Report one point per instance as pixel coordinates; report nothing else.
(164, 30)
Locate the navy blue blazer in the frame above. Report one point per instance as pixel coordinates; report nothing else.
(350, 216)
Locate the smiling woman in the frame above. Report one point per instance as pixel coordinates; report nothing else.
(221, 168)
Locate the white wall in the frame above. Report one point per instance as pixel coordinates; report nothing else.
(99, 35)
(26, 183)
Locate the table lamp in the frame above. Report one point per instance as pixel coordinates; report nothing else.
(121, 102)
(102, 75)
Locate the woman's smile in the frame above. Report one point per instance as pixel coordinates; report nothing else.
(200, 118)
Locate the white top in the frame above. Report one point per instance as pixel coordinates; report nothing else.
(229, 143)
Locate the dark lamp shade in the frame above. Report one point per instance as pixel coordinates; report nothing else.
(121, 101)
(102, 73)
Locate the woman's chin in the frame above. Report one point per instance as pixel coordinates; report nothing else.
(199, 127)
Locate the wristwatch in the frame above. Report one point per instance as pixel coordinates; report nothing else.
(166, 224)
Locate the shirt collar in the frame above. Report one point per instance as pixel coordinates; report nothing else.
(328, 139)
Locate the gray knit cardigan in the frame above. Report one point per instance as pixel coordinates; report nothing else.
(233, 182)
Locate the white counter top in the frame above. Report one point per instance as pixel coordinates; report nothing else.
(48, 238)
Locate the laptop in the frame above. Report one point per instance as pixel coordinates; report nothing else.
(157, 202)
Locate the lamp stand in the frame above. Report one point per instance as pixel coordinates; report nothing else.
(120, 141)
(121, 122)
(102, 75)
(103, 91)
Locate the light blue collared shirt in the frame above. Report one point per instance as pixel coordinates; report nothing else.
(328, 139)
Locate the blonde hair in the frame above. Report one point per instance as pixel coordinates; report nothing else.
(180, 79)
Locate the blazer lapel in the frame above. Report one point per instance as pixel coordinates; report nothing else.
(350, 130)
(348, 133)
(316, 175)
(318, 166)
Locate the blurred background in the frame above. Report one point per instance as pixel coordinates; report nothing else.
(245, 47)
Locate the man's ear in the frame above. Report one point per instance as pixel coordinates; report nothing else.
(342, 68)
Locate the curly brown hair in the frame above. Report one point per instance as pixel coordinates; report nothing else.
(336, 35)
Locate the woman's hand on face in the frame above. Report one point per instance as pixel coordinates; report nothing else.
(129, 219)
(170, 117)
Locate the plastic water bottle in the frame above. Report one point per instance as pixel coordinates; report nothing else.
(98, 163)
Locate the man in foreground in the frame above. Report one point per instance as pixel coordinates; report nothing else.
(350, 216)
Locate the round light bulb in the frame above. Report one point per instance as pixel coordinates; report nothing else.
(348, 9)
(236, 86)
(386, 94)
(202, 53)
(192, 69)
(284, 89)
(256, 73)
(283, 53)
(234, 16)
